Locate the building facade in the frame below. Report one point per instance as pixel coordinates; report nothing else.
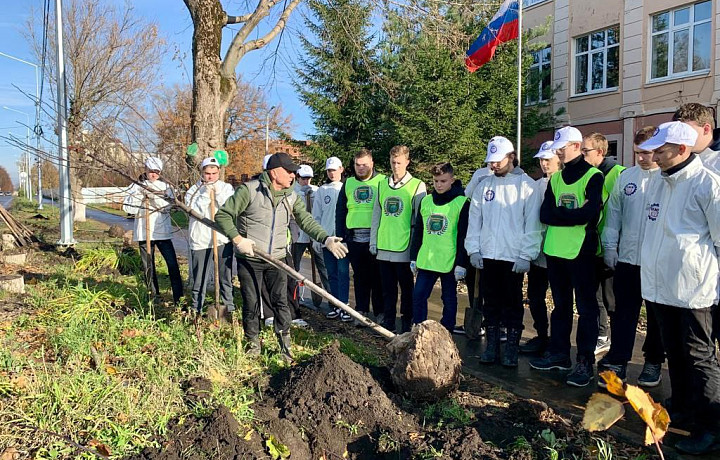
(618, 65)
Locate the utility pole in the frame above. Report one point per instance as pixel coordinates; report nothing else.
(28, 184)
(66, 221)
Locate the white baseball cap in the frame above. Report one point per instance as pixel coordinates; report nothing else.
(564, 135)
(674, 132)
(498, 148)
(209, 161)
(333, 163)
(265, 160)
(305, 171)
(154, 164)
(546, 152)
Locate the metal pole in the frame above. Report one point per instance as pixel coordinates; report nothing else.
(518, 147)
(66, 224)
(267, 130)
(26, 157)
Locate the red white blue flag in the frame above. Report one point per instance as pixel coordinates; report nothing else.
(502, 28)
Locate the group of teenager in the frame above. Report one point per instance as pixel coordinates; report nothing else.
(604, 239)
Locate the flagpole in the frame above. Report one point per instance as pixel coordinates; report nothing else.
(519, 90)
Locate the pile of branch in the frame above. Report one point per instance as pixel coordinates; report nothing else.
(23, 236)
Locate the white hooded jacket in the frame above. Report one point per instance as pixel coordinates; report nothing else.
(678, 263)
(323, 210)
(198, 199)
(159, 210)
(478, 176)
(504, 218)
(626, 214)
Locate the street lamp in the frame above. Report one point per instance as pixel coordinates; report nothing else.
(28, 186)
(267, 130)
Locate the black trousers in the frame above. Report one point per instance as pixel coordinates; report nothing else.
(605, 297)
(253, 275)
(367, 283)
(392, 275)
(692, 362)
(167, 250)
(203, 266)
(537, 291)
(502, 294)
(567, 277)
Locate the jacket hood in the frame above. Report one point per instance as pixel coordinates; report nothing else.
(455, 191)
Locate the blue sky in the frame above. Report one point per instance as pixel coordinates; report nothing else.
(264, 68)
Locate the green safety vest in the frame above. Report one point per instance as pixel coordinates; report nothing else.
(608, 185)
(396, 218)
(440, 228)
(565, 242)
(360, 196)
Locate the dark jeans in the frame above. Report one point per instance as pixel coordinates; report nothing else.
(366, 281)
(692, 362)
(568, 276)
(253, 274)
(424, 284)
(652, 347)
(392, 274)
(537, 291)
(502, 294)
(298, 249)
(605, 297)
(203, 266)
(167, 250)
(338, 271)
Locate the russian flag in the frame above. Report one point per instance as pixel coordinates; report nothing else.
(502, 27)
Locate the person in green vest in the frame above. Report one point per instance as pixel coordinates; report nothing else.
(394, 211)
(571, 209)
(437, 247)
(594, 149)
(353, 219)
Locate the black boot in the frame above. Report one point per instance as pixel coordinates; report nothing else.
(490, 355)
(284, 341)
(510, 358)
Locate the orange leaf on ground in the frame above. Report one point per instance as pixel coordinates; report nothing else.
(101, 448)
(614, 384)
(653, 414)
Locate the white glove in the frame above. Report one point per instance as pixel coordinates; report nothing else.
(373, 249)
(610, 257)
(476, 260)
(459, 273)
(521, 266)
(334, 245)
(413, 267)
(244, 246)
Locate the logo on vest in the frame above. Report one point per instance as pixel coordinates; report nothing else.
(437, 224)
(327, 199)
(568, 200)
(393, 206)
(654, 211)
(489, 195)
(363, 194)
(630, 188)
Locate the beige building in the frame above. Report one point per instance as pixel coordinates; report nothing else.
(617, 66)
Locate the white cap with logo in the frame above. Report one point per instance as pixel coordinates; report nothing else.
(304, 171)
(209, 161)
(674, 132)
(154, 164)
(333, 163)
(265, 160)
(565, 135)
(498, 148)
(546, 152)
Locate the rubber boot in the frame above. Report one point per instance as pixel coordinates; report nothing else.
(252, 346)
(512, 346)
(490, 355)
(284, 341)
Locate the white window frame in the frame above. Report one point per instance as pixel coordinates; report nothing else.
(589, 54)
(690, 26)
(528, 3)
(539, 66)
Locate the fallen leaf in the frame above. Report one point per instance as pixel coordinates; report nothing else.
(10, 453)
(614, 384)
(602, 412)
(653, 414)
(248, 435)
(130, 333)
(110, 370)
(20, 382)
(101, 448)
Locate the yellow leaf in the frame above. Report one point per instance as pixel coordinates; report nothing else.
(602, 412)
(653, 414)
(101, 448)
(248, 435)
(614, 384)
(110, 370)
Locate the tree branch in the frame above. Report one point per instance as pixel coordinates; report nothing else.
(236, 19)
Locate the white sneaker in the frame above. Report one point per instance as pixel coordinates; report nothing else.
(299, 323)
(269, 321)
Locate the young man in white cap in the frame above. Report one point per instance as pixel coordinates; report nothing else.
(394, 212)
(622, 238)
(702, 120)
(323, 211)
(571, 209)
(198, 198)
(503, 236)
(537, 276)
(679, 279)
(150, 202)
(259, 213)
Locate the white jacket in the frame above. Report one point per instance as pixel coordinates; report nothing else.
(306, 195)
(678, 264)
(626, 215)
(504, 219)
(323, 210)
(198, 199)
(540, 188)
(477, 177)
(159, 208)
(711, 160)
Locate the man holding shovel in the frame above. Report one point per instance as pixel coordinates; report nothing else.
(259, 214)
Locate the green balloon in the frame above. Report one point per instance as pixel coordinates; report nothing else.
(192, 149)
(221, 156)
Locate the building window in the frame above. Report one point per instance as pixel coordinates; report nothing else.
(597, 61)
(680, 41)
(527, 3)
(538, 85)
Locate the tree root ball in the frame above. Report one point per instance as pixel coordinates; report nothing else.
(116, 231)
(427, 362)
